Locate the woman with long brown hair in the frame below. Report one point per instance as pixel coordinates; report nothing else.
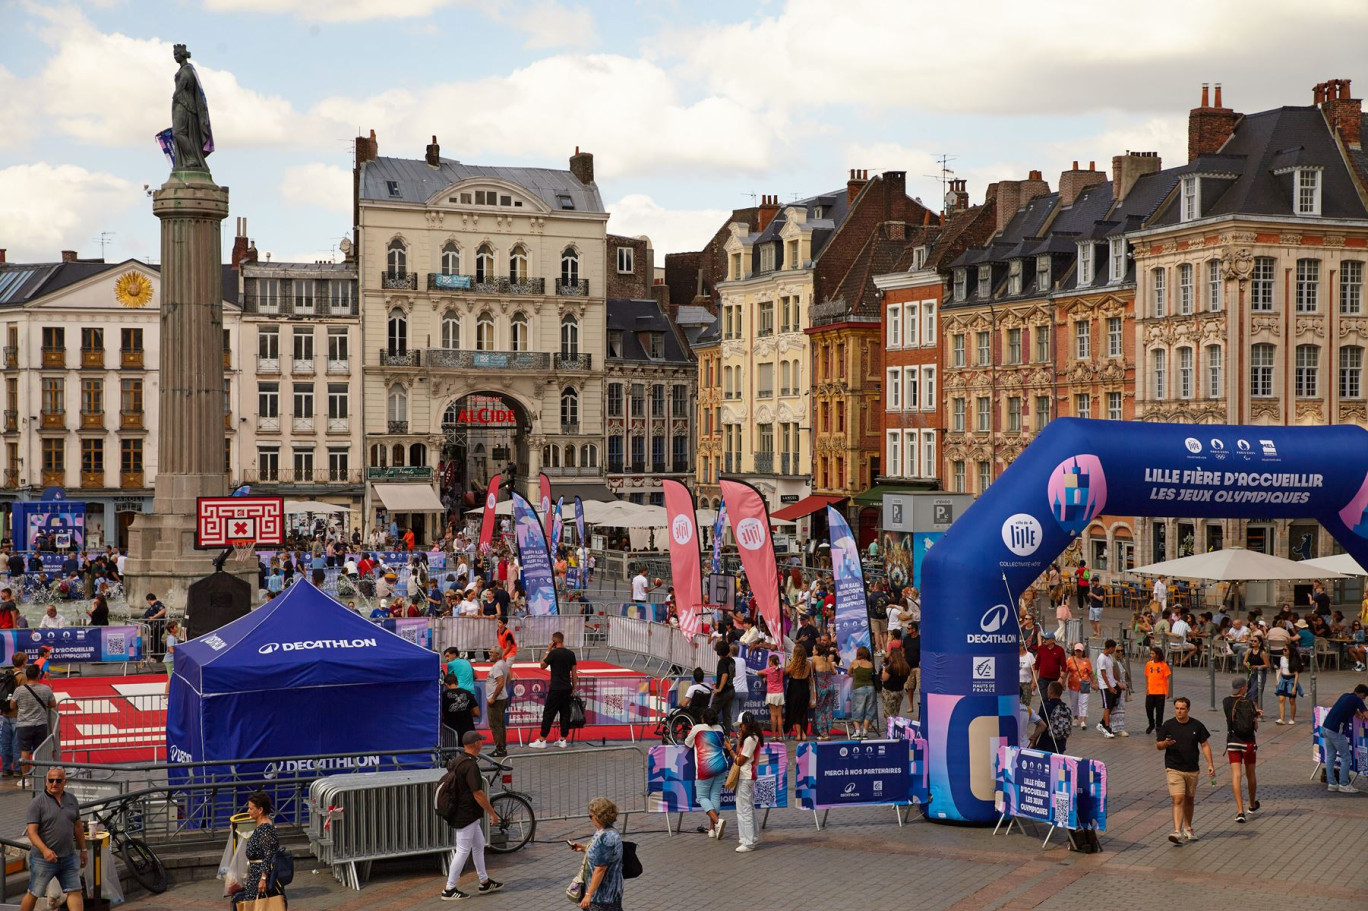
(798, 693)
(894, 676)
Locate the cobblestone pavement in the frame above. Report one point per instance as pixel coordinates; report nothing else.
(1304, 838)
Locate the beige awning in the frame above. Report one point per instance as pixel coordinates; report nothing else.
(408, 497)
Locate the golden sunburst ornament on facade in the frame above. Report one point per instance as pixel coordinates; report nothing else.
(133, 289)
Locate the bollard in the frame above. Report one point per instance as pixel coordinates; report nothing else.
(96, 840)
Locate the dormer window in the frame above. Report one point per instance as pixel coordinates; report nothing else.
(961, 284)
(1085, 265)
(767, 258)
(792, 259)
(1308, 190)
(1118, 259)
(1042, 273)
(393, 187)
(985, 280)
(919, 258)
(1014, 277)
(564, 201)
(818, 211)
(1191, 208)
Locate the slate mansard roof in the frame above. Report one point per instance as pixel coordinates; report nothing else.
(416, 182)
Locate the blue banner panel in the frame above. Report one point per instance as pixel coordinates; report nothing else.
(854, 773)
(81, 643)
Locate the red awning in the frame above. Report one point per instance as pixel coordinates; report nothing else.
(804, 507)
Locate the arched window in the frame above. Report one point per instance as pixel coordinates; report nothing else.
(484, 332)
(569, 456)
(569, 409)
(1308, 371)
(398, 455)
(379, 456)
(397, 258)
(398, 332)
(417, 454)
(451, 258)
(451, 331)
(784, 376)
(517, 265)
(484, 263)
(570, 267)
(518, 332)
(569, 336)
(589, 455)
(551, 457)
(397, 408)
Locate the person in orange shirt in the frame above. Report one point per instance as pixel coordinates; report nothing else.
(1158, 676)
(1078, 679)
(506, 642)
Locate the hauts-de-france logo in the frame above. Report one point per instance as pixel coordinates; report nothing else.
(682, 529)
(1077, 492)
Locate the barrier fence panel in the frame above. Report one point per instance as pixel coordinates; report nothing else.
(99, 728)
(536, 631)
(561, 784)
(466, 634)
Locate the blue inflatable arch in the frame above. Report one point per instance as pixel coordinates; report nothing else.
(1074, 471)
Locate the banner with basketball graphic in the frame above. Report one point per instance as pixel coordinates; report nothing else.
(487, 520)
(751, 529)
(685, 561)
(539, 578)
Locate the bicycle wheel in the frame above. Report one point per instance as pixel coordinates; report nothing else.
(144, 864)
(517, 822)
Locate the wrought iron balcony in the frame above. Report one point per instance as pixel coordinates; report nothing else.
(302, 366)
(408, 358)
(681, 466)
(578, 288)
(615, 465)
(11, 357)
(658, 467)
(399, 281)
(437, 281)
(764, 462)
(582, 361)
(568, 427)
(338, 368)
(268, 424)
(339, 425)
(268, 365)
(302, 476)
(727, 463)
(451, 359)
(561, 471)
(302, 425)
(784, 461)
(397, 426)
(638, 466)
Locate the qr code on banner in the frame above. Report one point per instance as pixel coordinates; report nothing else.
(1061, 809)
(115, 643)
(766, 791)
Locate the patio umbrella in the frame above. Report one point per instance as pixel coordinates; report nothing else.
(1339, 563)
(1235, 564)
(297, 507)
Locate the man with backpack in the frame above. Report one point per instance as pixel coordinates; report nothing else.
(1242, 720)
(1054, 722)
(461, 800)
(9, 723)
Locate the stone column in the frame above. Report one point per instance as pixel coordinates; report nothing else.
(190, 464)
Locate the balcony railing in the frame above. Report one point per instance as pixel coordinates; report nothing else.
(54, 357)
(130, 420)
(399, 281)
(92, 357)
(129, 480)
(572, 289)
(302, 476)
(568, 427)
(268, 365)
(785, 459)
(397, 426)
(302, 366)
(285, 306)
(448, 359)
(302, 425)
(437, 281)
(227, 360)
(337, 368)
(11, 421)
(92, 479)
(54, 478)
(268, 424)
(339, 425)
(92, 420)
(561, 471)
(399, 358)
(764, 462)
(52, 420)
(681, 466)
(132, 359)
(582, 361)
(11, 357)
(727, 462)
(399, 473)
(227, 420)
(11, 478)
(658, 467)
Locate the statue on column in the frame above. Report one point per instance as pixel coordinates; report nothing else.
(191, 137)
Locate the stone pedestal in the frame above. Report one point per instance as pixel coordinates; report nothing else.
(161, 553)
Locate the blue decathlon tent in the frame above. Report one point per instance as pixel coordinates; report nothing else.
(301, 676)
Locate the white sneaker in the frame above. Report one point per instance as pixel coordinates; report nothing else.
(744, 849)
(537, 745)
(1102, 728)
(562, 743)
(1348, 789)
(721, 824)
(1108, 734)
(712, 831)
(1189, 834)
(1124, 734)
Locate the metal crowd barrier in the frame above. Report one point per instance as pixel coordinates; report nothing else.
(91, 726)
(476, 634)
(361, 818)
(561, 784)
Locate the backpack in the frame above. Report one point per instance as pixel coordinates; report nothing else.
(631, 864)
(282, 870)
(444, 801)
(1241, 719)
(8, 685)
(1060, 722)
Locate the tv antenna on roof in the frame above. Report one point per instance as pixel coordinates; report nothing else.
(103, 240)
(945, 172)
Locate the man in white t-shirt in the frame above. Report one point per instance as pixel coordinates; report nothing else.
(1109, 684)
(895, 619)
(1161, 594)
(641, 585)
(1180, 630)
(1239, 637)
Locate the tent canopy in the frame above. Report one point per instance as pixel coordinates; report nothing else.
(1342, 564)
(1235, 564)
(295, 507)
(804, 507)
(399, 497)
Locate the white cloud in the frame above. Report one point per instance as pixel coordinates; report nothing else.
(670, 230)
(546, 108)
(48, 208)
(317, 184)
(552, 24)
(16, 111)
(1026, 58)
(1165, 135)
(112, 89)
(331, 10)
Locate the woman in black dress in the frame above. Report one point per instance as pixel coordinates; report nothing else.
(262, 848)
(797, 693)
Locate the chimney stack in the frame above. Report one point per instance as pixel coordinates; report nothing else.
(582, 166)
(856, 182)
(367, 149)
(956, 197)
(1013, 194)
(1209, 126)
(1128, 168)
(433, 157)
(239, 243)
(1344, 114)
(1072, 182)
(765, 212)
(68, 256)
(2, 256)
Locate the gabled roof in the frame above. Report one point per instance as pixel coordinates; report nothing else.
(416, 182)
(633, 316)
(712, 335)
(880, 255)
(23, 283)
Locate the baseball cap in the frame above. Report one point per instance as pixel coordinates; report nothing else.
(1049, 634)
(470, 737)
(1078, 647)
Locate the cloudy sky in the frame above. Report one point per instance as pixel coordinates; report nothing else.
(691, 107)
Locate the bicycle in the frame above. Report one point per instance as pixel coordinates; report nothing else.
(146, 867)
(517, 820)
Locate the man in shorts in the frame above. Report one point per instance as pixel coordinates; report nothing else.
(1109, 684)
(1097, 597)
(1181, 738)
(1242, 720)
(58, 839)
